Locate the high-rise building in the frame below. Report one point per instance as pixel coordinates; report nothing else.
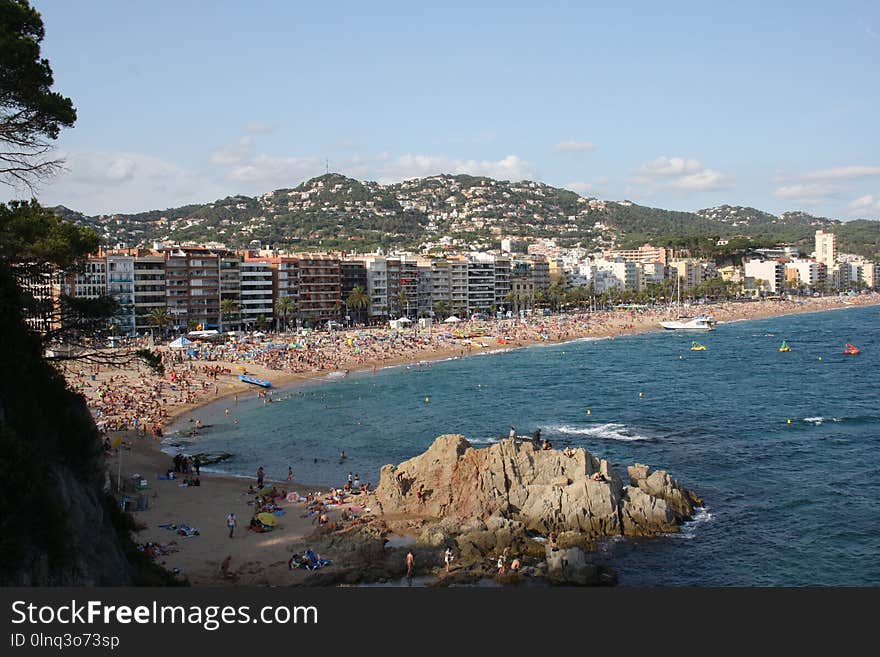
(120, 286)
(149, 289)
(826, 248)
(257, 291)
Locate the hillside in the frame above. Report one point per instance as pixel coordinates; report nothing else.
(334, 212)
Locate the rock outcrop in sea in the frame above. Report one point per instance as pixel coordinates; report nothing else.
(542, 491)
(501, 502)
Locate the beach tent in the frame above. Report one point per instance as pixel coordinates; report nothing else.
(404, 320)
(258, 334)
(181, 343)
(267, 519)
(452, 319)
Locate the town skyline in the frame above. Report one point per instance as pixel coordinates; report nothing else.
(723, 106)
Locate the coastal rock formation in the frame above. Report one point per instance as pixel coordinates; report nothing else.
(541, 490)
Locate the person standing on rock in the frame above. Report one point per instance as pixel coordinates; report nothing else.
(410, 562)
(447, 558)
(512, 434)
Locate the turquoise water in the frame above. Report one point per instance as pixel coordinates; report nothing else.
(787, 504)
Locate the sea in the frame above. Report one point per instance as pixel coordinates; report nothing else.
(783, 447)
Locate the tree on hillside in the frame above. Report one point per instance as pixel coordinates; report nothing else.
(31, 114)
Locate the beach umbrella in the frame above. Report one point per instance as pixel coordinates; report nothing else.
(267, 519)
(452, 319)
(404, 320)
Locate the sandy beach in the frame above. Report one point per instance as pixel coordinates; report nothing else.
(132, 402)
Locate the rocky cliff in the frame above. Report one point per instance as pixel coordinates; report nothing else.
(543, 490)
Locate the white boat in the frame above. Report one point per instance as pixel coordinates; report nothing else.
(701, 323)
(698, 323)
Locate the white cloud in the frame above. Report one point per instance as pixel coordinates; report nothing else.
(98, 182)
(681, 174)
(263, 172)
(236, 153)
(843, 173)
(258, 128)
(571, 146)
(700, 181)
(403, 167)
(806, 192)
(867, 204)
(669, 166)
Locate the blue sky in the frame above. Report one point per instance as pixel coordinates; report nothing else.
(680, 105)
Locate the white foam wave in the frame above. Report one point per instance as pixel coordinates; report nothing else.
(818, 420)
(609, 431)
(689, 529)
(484, 441)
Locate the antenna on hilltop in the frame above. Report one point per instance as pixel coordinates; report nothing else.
(326, 166)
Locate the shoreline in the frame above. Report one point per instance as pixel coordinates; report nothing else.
(260, 559)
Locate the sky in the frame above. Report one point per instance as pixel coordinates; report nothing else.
(679, 105)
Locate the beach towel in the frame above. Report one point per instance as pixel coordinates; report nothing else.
(279, 512)
(164, 478)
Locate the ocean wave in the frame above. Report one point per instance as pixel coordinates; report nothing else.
(484, 441)
(609, 431)
(816, 421)
(702, 515)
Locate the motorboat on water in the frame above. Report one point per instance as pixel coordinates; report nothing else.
(696, 346)
(784, 347)
(699, 323)
(851, 350)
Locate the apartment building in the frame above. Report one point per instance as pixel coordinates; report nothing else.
(826, 248)
(257, 291)
(120, 286)
(319, 288)
(149, 289)
(770, 271)
(192, 286)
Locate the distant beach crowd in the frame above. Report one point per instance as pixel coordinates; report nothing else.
(134, 397)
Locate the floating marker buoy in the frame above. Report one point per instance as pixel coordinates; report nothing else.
(820, 359)
(679, 357)
(589, 411)
(427, 400)
(789, 421)
(641, 394)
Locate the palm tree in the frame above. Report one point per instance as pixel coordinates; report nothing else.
(402, 302)
(283, 309)
(358, 300)
(228, 309)
(159, 318)
(441, 310)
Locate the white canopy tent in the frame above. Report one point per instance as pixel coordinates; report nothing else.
(404, 320)
(452, 319)
(181, 343)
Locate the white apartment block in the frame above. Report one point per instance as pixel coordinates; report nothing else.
(120, 286)
(257, 292)
(771, 271)
(826, 248)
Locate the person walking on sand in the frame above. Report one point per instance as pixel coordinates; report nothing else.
(230, 522)
(260, 477)
(410, 562)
